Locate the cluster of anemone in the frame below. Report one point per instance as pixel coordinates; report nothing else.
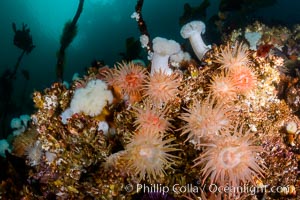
(206, 122)
(236, 76)
(139, 109)
(132, 82)
(149, 152)
(229, 155)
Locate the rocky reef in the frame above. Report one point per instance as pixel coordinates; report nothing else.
(225, 127)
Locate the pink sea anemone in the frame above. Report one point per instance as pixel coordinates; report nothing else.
(231, 57)
(223, 87)
(148, 155)
(151, 119)
(244, 79)
(127, 79)
(161, 88)
(231, 159)
(205, 120)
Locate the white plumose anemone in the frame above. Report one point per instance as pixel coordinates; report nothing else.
(193, 31)
(163, 49)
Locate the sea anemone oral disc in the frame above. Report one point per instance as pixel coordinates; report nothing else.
(230, 157)
(148, 155)
(223, 87)
(151, 119)
(205, 119)
(244, 79)
(127, 79)
(161, 88)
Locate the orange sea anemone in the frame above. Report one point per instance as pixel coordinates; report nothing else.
(127, 79)
(205, 120)
(231, 159)
(244, 79)
(151, 119)
(222, 87)
(161, 88)
(148, 155)
(231, 57)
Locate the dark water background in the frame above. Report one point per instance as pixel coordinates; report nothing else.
(103, 28)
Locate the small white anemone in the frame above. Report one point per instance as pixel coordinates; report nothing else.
(193, 31)
(179, 57)
(75, 76)
(163, 49)
(16, 123)
(25, 119)
(67, 114)
(144, 39)
(253, 38)
(4, 145)
(103, 126)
